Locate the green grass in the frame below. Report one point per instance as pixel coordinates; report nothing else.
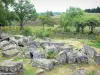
(91, 43)
(58, 34)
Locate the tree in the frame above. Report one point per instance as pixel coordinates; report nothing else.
(43, 18)
(46, 19)
(50, 13)
(93, 10)
(68, 19)
(92, 23)
(24, 10)
(4, 12)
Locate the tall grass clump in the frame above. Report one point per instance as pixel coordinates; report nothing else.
(27, 31)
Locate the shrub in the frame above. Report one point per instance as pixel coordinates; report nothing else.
(49, 29)
(50, 54)
(45, 33)
(98, 38)
(89, 73)
(27, 31)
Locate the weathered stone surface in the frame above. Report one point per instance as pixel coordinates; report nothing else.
(37, 55)
(97, 58)
(67, 49)
(57, 44)
(97, 73)
(10, 53)
(34, 43)
(13, 40)
(34, 54)
(4, 43)
(55, 61)
(46, 43)
(81, 58)
(39, 72)
(10, 67)
(51, 48)
(71, 58)
(43, 63)
(47, 39)
(78, 72)
(18, 36)
(9, 47)
(89, 50)
(4, 35)
(61, 57)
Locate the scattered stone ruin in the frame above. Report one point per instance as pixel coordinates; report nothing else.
(65, 53)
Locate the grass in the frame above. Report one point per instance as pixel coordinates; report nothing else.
(68, 69)
(27, 64)
(57, 70)
(58, 35)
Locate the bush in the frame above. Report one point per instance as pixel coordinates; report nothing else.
(98, 38)
(50, 54)
(43, 33)
(89, 73)
(27, 32)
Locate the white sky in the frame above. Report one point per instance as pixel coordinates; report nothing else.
(62, 5)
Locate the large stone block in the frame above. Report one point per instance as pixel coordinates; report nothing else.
(97, 58)
(10, 53)
(61, 57)
(8, 66)
(88, 50)
(79, 72)
(43, 63)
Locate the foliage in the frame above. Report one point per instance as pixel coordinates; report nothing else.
(46, 19)
(92, 43)
(89, 73)
(24, 9)
(92, 23)
(49, 13)
(27, 31)
(94, 10)
(44, 33)
(50, 54)
(98, 38)
(4, 12)
(67, 19)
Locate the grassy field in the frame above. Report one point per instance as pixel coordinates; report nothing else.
(57, 34)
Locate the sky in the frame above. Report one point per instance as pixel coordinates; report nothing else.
(62, 5)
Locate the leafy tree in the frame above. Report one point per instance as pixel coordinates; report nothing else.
(68, 19)
(50, 13)
(92, 23)
(46, 19)
(43, 18)
(24, 10)
(93, 10)
(4, 12)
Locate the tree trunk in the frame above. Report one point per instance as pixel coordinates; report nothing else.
(21, 25)
(0, 32)
(78, 28)
(91, 32)
(43, 26)
(82, 28)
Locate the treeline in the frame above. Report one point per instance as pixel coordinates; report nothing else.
(93, 10)
(76, 18)
(23, 11)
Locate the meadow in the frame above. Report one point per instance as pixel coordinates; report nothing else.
(56, 33)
